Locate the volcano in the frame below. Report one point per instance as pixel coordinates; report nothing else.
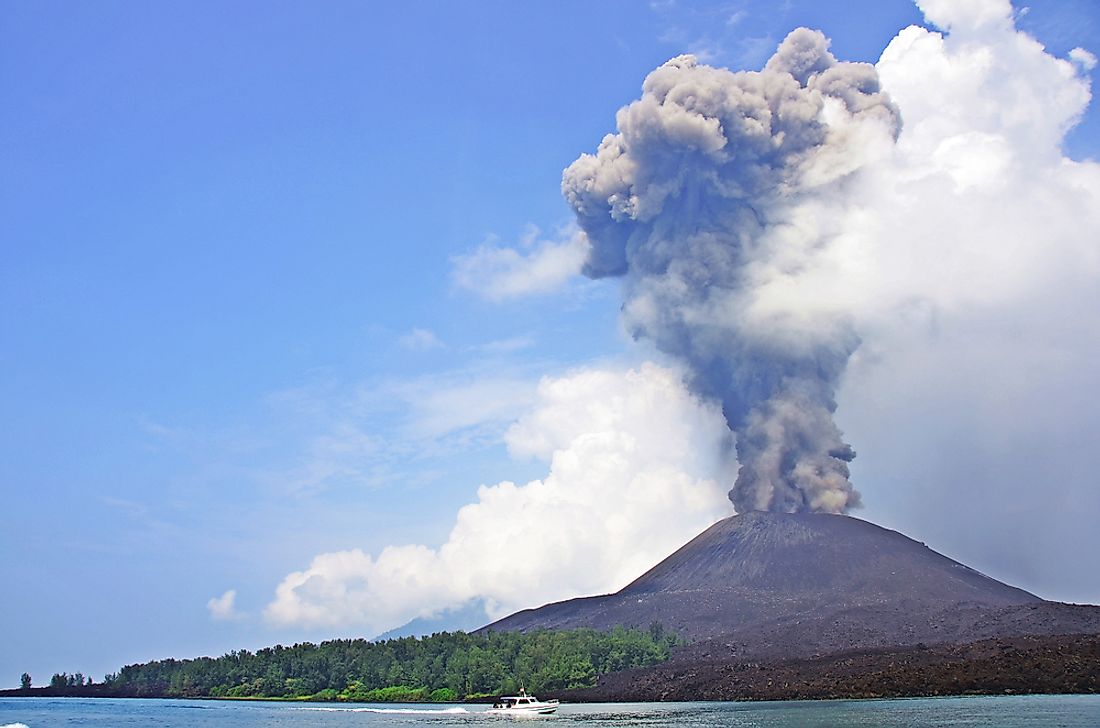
(803, 584)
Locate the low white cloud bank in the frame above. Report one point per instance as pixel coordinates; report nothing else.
(637, 466)
(536, 265)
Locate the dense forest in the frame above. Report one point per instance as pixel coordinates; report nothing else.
(444, 667)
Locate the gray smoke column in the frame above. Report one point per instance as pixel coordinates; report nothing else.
(711, 201)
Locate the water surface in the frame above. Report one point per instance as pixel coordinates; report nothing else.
(1034, 711)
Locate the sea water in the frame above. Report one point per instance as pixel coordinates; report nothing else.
(1033, 711)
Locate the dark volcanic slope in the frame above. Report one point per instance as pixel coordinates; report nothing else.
(788, 584)
(797, 553)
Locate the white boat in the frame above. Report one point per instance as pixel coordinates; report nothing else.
(523, 704)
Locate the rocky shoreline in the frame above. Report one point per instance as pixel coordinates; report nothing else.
(1016, 665)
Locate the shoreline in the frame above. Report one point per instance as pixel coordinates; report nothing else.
(1026, 665)
(6, 694)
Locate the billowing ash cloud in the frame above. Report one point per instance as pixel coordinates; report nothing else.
(704, 201)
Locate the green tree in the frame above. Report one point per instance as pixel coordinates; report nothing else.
(25, 681)
(445, 666)
(443, 695)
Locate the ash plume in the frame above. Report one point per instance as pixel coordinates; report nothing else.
(713, 203)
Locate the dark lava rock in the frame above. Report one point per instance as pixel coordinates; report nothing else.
(1017, 665)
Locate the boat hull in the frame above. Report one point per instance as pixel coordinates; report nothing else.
(536, 709)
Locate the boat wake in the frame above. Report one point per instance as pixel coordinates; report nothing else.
(392, 711)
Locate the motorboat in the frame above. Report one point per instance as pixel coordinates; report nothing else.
(523, 704)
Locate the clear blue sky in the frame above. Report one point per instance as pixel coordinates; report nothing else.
(229, 235)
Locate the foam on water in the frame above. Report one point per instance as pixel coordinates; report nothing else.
(395, 711)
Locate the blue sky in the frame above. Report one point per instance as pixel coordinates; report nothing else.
(233, 335)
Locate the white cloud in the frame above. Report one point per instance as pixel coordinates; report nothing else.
(970, 258)
(977, 213)
(345, 453)
(223, 608)
(420, 340)
(497, 273)
(971, 15)
(636, 467)
(332, 434)
(437, 408)
(1083, 58)
(506, 346)
(736, 17)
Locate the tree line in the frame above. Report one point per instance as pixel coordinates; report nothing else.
(445, 667)
(63, 680)
(59, 680)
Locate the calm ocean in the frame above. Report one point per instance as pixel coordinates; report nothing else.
(1008, 712)
(1047, 711)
